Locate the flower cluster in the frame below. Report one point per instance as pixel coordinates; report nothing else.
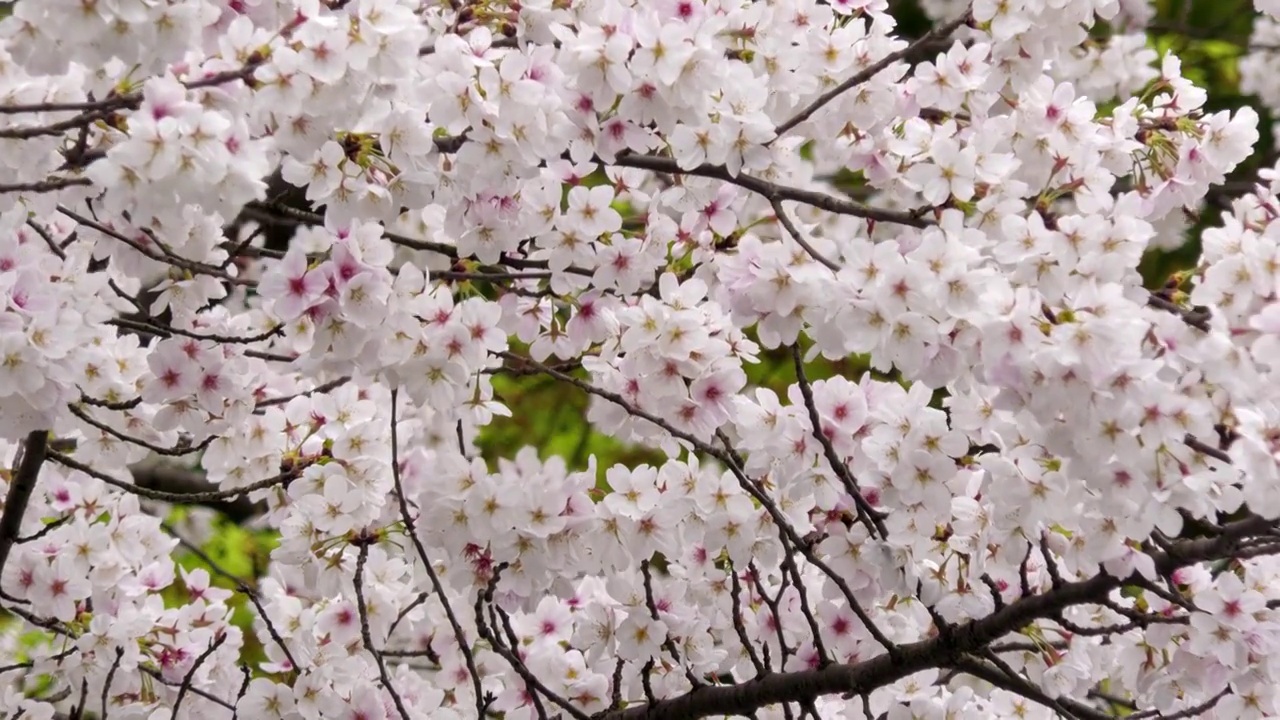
(904, 426)
(675, 356)
(104, 578)
(176, 150)
(48, 338)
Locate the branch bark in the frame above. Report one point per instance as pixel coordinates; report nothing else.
(944, 650)
(771, 191)
(918, 48)
(187, 492)
(180, 481)
(23, 483)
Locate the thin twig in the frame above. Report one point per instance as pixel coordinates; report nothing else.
(436, 585)
(190, 676)
(200, 497)
(242, 586)
(922, 45)
(795, 234)
(363, 610)
(772, 191)
(111, 674)
(866, 513)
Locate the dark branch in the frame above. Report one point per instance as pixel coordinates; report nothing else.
(23, 483)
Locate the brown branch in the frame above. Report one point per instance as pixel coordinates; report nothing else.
(795, 234)
(973, 636)
(45, 186)
(366, 636)
(731, 460)
(30, 108)
(491, 631)
(176, 451)
(91, 110)
(1199, 446)
(735, 594)
(48, 239)
(276, 212)
(165, 256)
(667, 643)
(21, 486)
(198, 498)
(769, 190)
(26, 132)
(111, 674)
(1196, 318)
(192, 486)
(319, 389)
(220, 638)
(921, 46)
(1191, 712)
(867, 514)
(144, 328)
(242, 586)
(438, 587)
(1018, 685)
(189, 484)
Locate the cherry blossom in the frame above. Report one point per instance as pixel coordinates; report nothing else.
(892, 416)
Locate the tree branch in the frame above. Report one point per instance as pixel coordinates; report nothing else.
(200, 497)
(921, 46)
(973, 636)
(23, 483)
(192, 484)
(771, 191)
(796, 235)
(1020, 686)
(868, 514)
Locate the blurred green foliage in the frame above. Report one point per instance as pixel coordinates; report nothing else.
(1210, 37)
(232, 555)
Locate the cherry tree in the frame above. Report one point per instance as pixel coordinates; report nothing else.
(268, 269)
